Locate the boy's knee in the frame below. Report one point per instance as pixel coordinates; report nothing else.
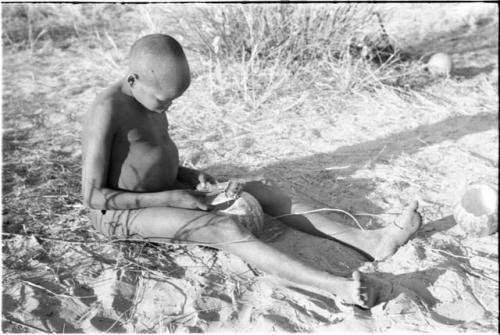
(273, 199)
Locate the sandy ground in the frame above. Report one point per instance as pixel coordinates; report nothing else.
(60, 276)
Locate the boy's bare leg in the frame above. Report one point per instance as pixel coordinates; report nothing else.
(205, 228)
(378, 243)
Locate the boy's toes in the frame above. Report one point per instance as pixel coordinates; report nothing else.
(413, 206)
(360, 296)
(367, 294)
(364, 298)
(356, 276)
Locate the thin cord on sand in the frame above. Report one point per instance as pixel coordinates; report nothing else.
(324, 210)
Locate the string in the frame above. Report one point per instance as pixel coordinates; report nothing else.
(324, 210)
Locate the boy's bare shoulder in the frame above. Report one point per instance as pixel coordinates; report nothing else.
(108, 100)
(106, 104)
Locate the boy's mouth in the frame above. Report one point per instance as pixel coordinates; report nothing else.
(161, 109)
(165, 107)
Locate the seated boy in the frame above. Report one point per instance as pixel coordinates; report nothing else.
(135, 188)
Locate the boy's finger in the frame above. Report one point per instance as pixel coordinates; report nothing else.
(198, 192)
(202, 206)
(210, 179)
(202, 178)
(206, 179)
(202, 187)
(206, 207)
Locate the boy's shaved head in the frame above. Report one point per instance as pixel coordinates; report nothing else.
(159, 60)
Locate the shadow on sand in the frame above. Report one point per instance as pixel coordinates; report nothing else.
(463, 40)
(350, 192)
(313, 173)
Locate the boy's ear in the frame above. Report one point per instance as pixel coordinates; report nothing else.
(132, 78)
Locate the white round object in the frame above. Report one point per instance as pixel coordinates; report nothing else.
(245, 210)
(440, 64)
(476, 212)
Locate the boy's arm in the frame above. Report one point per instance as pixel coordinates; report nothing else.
(98, 133)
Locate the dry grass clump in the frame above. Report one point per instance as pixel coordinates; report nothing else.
(252, 55)
(26, 24)
(288, 33)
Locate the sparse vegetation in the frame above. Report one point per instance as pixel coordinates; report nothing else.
(276, 91)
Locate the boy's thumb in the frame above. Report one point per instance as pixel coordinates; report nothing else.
(202, 178)
(202, 206)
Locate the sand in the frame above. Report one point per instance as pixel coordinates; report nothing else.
(437, 282)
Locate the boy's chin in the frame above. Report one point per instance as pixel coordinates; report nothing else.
(158, 110)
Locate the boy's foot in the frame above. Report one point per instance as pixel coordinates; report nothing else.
(398, 233)
(364, 291)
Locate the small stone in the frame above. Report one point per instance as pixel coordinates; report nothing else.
(245, 142)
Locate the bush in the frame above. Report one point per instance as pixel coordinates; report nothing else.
(254, 53)
(25, 24)
(292, 33)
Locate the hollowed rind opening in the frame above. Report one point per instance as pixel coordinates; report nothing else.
(480, 200)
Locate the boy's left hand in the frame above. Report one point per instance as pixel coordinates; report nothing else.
(198, 180)
(204, 180)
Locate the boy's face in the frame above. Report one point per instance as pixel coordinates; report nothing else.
(157, 90)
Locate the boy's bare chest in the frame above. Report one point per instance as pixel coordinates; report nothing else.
(143, 143)
(143, 156)
(150, 130)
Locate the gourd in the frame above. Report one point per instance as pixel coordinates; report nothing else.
(229, 199)
(476, 211)
(244, 209)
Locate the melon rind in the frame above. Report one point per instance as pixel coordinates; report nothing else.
(474, 225)
(245, 210)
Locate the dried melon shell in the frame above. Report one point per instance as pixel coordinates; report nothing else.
(476, 212)
(245, 210)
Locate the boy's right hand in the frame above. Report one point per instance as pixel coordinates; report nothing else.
(189, 199)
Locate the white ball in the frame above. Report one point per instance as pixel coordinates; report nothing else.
(245, 210)
(440, 64)
(476, 212)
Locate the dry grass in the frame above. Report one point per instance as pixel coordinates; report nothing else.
(287, 101)
(289, 33)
